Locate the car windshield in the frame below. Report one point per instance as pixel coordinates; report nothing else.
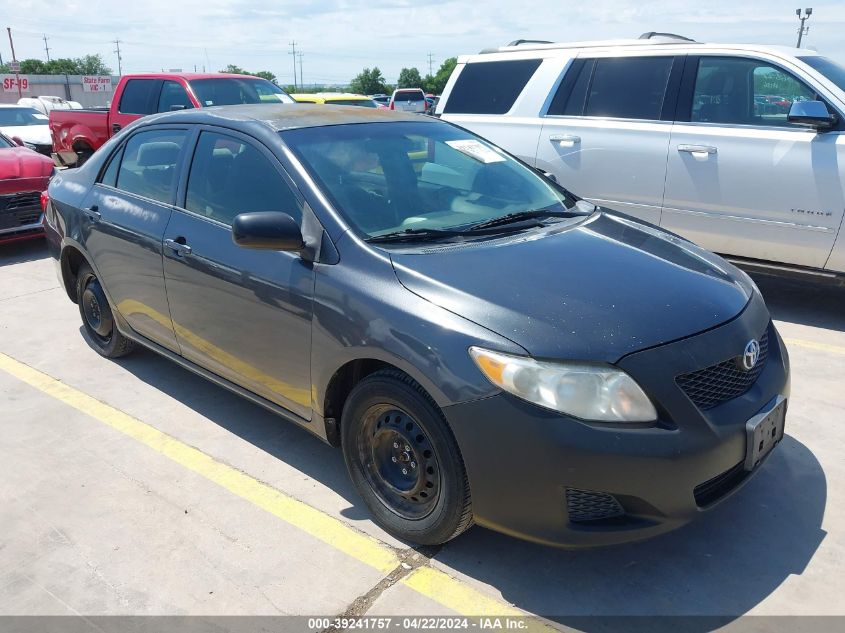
(364, 103)
(21, 116)
(237, 90)
(390, 177)
(5, 143)
(834, 71)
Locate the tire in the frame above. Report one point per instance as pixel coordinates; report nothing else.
(390, 425)
(97, 318)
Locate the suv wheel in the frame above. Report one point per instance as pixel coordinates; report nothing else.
(97, 317)
(404, 461)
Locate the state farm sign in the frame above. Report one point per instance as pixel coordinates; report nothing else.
(93, 83)
(10, 83)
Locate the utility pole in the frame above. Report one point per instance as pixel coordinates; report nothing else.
(46, 48)
(15, 60)
(803, 30)
(119, 58)
(430, 58)
(301, 80)
(293, 52)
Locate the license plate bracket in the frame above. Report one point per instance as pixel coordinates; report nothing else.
(764, 431)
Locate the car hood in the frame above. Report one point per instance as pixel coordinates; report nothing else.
(21, 162)
(598, 290)
(37, 134)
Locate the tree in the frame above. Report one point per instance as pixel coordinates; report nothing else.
(87, 65)
(265, 74)
(410, 78)
(237, 70)
(91, 65)
(437, 83)
(368, 82)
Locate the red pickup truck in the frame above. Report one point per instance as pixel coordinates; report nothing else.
(77, 134)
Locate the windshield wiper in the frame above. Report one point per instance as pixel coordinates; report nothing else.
(410, 235)
(521, 216)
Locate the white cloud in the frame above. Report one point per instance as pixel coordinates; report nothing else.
(339, 37)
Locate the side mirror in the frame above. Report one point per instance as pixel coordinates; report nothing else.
(268, 230)
(17, 140)
(812, 114)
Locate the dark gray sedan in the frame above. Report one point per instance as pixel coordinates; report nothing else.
(484, 346)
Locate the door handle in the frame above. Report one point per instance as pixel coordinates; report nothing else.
(178, 247)
(697, 149)
(568, 139)
(115, 128)
(93, 214)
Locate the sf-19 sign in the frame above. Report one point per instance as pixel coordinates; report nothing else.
(10, 83)
(93, 83)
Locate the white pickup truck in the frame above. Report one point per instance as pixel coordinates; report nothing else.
(739, 148)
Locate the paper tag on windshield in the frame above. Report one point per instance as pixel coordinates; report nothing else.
(476, 150)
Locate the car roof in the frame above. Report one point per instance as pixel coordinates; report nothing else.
(336, 96)
(284, 116)
(188, 76)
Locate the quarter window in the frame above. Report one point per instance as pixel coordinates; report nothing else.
(136, 97)
(490, 87)
(229, 177)
(628, 87)
(173, 97)
(736, 90)
(149, 164)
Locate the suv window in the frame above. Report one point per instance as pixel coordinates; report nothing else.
(409, 95)
(229, 176)
(173, 94)
(148, 167)
(136, 97)
(739, 90)
(490, 87)
(627, 87)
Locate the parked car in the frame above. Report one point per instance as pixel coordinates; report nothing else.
(24, 175)
(27, 124)
(483, 346)
(45, 103)
(408, 100)
(76, 134)
(687, 129)
(335, 98)
(381, 99)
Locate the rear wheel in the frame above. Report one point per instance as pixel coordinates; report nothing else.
(83, 153)
(404, 461)
(97, 317)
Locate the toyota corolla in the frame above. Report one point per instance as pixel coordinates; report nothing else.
(483, 346)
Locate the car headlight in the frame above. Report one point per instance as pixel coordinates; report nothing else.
(590, 391)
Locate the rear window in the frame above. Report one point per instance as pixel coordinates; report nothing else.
(490, 87)
(411, 95)
(364, 103)
(136, 97)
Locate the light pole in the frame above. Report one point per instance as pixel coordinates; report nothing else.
(803, 30)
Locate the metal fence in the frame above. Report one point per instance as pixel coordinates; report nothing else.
(65, 86)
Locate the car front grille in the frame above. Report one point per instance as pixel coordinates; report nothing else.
(723, 381)
(587, 505)
(19, 209)
(714, 489)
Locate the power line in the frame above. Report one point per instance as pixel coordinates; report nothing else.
(119, 58)
(46, 48)
(293, 52)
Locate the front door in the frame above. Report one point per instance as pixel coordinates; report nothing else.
(604, 136)
(243, 314)
(125, 215)
(741, 179)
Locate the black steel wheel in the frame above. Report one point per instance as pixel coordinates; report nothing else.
(97, 316)
(404, 461)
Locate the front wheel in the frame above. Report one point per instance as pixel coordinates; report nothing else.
(404, 461)
(97, 317)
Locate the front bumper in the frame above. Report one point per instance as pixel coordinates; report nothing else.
(523, 461)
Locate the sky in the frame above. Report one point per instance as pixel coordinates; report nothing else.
(338, 38)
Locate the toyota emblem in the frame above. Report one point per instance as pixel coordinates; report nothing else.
(750, 355)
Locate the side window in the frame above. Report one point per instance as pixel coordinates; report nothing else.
(110, 174)
(173, 94)
(572, 92)
(490, 87)
(229, 176)
(737, 90)
(149, 164)
(136, 97)
(628, 87)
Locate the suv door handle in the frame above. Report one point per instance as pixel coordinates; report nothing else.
(92, 213)
(697, 149)
(569, 139)
(178, 246)
(115, 128)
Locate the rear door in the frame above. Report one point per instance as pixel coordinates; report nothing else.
(606, 132)
(138, 98)
(126, 214)
(741, 179)
(243, 314)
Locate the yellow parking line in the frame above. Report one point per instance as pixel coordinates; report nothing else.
(823, 347)
(434, 584)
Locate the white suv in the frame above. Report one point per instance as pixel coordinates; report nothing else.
(737, 147)
(408, 100)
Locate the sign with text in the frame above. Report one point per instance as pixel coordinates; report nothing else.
(15, 66)
(10, 83)
(94, 83)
